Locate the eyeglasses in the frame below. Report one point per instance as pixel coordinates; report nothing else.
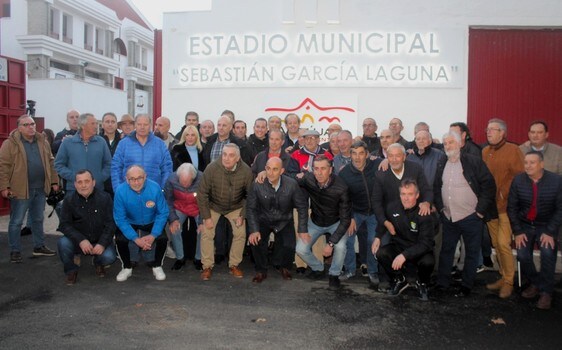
(135, 179)
(492, 129)
(25, 125)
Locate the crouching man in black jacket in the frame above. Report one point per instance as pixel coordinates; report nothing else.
(88, 227)
(411, 243)
(269, 208)
(331, 213)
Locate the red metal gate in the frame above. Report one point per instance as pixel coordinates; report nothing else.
(515, 75)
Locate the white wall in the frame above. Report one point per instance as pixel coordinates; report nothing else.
(11, 28)
(55, 97)
(438, 103)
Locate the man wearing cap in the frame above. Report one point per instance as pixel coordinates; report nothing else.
(305, 156)
(126, 125)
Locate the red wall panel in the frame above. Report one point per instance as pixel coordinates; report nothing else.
(515, 75)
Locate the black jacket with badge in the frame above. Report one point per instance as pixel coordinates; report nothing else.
(264, 204)
(329, 204)
(414, 233)
(88, 218)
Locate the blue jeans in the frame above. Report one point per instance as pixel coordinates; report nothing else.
(36, 207)
(67, 249)
(177, 239)
(470, 228)
(304, 250)
(350, 261)
(544, 279)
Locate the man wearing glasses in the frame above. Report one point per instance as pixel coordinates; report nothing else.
(140, 212)
(505, 160)
(27, 174)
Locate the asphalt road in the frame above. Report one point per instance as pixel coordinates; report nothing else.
(38, 311)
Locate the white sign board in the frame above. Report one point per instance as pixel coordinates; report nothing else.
(3, 69)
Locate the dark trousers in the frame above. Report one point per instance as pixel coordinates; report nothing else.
(544, 280)
(159, 246)
(283, 249)
(470, 228)
(413, 269)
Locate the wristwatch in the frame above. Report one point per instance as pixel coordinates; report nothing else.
(331, 244)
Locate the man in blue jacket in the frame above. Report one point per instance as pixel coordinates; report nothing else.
(142, 148)
(140, 212)
(84, 150)
(534, 208)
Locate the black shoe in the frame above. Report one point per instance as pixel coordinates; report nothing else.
(462, 292)
(178, 264)
(43, 251)
(15, 257)
(198, 265)
(134, 264)
(383, 287)
(422, 289)
(399, 286)
(457, 275)
(26, 231)
(364, 271)
(301, 270)
(316, 275)
(334, 283)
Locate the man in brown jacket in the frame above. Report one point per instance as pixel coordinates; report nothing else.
(504, 160)
(223, 189)
(27, 174)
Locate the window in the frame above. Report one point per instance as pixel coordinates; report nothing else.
(67, 28)
(88, 37)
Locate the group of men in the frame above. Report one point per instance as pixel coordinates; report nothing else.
(395, 197)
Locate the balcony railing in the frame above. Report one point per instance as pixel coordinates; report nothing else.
(67, 40)
(88, 47)
(54, 35)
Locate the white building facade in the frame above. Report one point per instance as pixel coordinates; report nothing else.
(93, 56)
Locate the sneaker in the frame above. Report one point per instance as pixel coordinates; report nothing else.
(43, 251)
(178, 264)
(545, 301)
(198, 265)
(316, 275)
(457, 275)
(422, 289)
(374, 280)
(480, 268)
(346, 275)
(399, 286)
(124, 274)
(15, 257)
(158, 273)
(364, 271)
(334, 283)
(71, 278)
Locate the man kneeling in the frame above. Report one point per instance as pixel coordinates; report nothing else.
(140, 212)
(411, 242)
(87, 224)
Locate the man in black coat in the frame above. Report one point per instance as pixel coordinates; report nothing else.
(464, 191)
(88, 227)
(411, 244)
(269, 208)
(331, 213)
(215, 143)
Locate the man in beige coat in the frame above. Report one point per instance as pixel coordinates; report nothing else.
(27, 174)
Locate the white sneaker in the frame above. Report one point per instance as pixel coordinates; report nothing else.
(158, 273)
(124, 274)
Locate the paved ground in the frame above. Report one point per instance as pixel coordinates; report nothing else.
(38, 311)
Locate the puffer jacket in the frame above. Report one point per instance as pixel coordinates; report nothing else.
(264, 204)
(154, 157)
(181, 198)
(329, 205)
(223, 190)
(13, 165)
